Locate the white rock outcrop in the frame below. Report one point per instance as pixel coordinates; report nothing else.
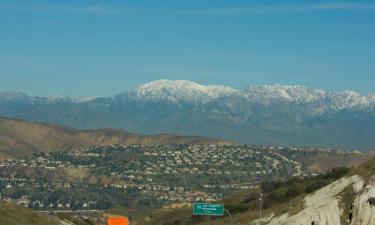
(363, 211)
(322, 207)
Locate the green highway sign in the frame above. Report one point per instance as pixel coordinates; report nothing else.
(207, 209)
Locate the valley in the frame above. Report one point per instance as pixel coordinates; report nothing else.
(194, 112)
(151, 176)
(79, 177)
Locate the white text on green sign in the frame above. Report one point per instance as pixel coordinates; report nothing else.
(208, 209)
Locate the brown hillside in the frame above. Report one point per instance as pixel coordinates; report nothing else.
(11, 214)
(19, 138)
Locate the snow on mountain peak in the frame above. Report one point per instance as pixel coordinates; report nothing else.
(19, 96)
(13, 96)
(371, 98)
(181, 90)
(185, 91)
(62, 98)
(178, 91)
(348, 98)
(293, 93)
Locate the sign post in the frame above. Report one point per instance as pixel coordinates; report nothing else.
(208, 209)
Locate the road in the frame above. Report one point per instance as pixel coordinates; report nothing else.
(71, 211)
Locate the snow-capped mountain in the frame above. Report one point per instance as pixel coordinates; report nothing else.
(261, 114)
(13, 96)
(296, 94)
(181, 90)
(187, 91)
(21, 97)
(177, 91)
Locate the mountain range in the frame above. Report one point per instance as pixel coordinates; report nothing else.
(258, 115)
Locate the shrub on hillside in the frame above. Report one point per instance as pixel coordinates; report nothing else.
(315, 185)
(282, 191)
(371, 201)
(336, 173)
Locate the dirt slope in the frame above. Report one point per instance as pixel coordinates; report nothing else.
(19, 138)
(11, 214)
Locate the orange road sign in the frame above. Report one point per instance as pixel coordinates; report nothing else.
(118, 221)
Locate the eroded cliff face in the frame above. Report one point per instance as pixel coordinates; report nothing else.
(364, 205)
(324, 206)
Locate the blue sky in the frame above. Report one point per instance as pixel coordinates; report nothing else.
(86, 48)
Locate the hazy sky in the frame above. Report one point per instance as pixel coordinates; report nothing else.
(85, 48)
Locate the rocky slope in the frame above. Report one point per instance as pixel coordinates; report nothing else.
(322, 207)
(260, 115)
(347, 201)
(327, 205)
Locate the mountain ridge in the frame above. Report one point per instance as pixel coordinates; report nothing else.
(20, 138)
(188, 91)
(258, 115)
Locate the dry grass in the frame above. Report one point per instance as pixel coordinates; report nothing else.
(323, 163)
(11, 214)
(20, 138)
(366, 170)
(75, 174)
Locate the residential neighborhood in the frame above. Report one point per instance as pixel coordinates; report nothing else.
(147, 175)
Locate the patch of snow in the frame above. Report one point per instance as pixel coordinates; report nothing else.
(348, 99)
(13, 96)
(371, 99)
(62, 98)
(181, 90)
(289, 93)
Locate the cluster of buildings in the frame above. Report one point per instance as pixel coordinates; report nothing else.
(168, 173)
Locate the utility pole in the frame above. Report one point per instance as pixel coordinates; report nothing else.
(230, 216)
(260, 208)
